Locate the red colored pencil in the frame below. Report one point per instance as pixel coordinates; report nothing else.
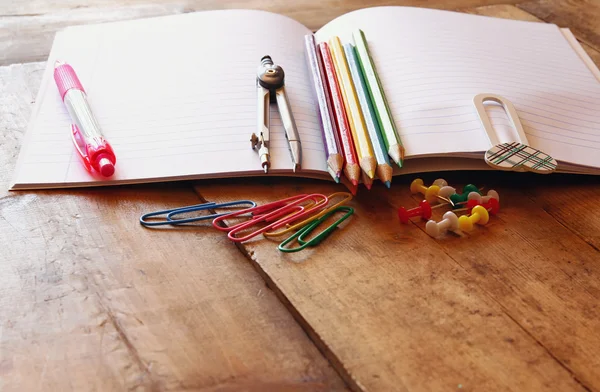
(351, 168)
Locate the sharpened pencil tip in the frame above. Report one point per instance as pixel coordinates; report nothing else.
(354, 182)
(265, 168)
(58, 63)
(388, 184)
(337, 179)
(371, 173)
(369, 185)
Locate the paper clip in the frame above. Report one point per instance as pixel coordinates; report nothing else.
(290, 228)
(515, 155)
(257, 212)
(301, 235)
(197, 207)
(284, 208)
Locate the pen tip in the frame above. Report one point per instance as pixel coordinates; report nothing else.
(388, 184)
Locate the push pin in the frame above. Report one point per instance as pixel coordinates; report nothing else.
(479, 215)
(440, 182)
(447, 191)
(449, 222)
(430, 192)
(492, 205)
(461, 198)
(423, 210)
(492, 194)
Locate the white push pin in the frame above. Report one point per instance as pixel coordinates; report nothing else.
(492, 194)
(440, 182)
(449, 222)
(446, 191)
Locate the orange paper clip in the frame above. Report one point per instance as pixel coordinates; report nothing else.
(283, 212)
(290, 228)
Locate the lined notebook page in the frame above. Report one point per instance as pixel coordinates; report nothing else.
(176, 98)
(432, 63)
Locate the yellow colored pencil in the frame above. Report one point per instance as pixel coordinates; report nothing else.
(364, 149)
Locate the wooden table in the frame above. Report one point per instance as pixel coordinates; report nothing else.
(90, 300)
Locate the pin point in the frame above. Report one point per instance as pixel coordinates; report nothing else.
(423, 210)
(446, 191)
(449, 222)
(479, 215)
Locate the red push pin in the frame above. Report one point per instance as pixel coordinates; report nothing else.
(492, 205)
(423, 210)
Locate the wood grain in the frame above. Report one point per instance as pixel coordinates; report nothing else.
(90, 300)
(399, 311)
(28, 27)
(574, 14)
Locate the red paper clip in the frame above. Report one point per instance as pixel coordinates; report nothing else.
(255, 212)
(282, 212)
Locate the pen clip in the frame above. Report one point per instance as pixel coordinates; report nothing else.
(79, 143)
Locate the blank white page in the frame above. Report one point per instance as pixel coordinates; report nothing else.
(432, 63)
(176, 98)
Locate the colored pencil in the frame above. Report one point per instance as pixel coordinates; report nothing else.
(384, 169)
(335, 160)
(382, 111)
(367, 182)
(351, 167)
(364, 149)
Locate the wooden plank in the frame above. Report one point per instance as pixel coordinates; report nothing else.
(396, 310)
(574, 14)
(90, 300)
(509, 307)
(28, 27)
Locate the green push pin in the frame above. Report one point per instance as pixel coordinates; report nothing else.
(461, 198)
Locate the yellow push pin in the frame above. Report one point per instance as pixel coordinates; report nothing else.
(430, 192)
(478, 215)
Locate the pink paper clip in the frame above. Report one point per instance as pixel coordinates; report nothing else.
(255, 212)
(282, 212)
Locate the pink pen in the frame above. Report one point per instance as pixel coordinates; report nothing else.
(94, 150)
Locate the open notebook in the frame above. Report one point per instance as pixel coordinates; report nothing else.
(176, 95)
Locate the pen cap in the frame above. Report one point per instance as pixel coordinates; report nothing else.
(66, 79)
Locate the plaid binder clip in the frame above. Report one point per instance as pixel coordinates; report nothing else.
(516, 155)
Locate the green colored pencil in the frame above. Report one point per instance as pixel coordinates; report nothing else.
(383, 113)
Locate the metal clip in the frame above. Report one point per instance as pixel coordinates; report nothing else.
(169, 214)
(304, 232)
(290, 228)
(283, 212)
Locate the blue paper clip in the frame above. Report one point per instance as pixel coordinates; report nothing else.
(301, 234)
(198, 207)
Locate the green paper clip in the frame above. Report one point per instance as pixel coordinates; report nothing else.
(301, 234)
